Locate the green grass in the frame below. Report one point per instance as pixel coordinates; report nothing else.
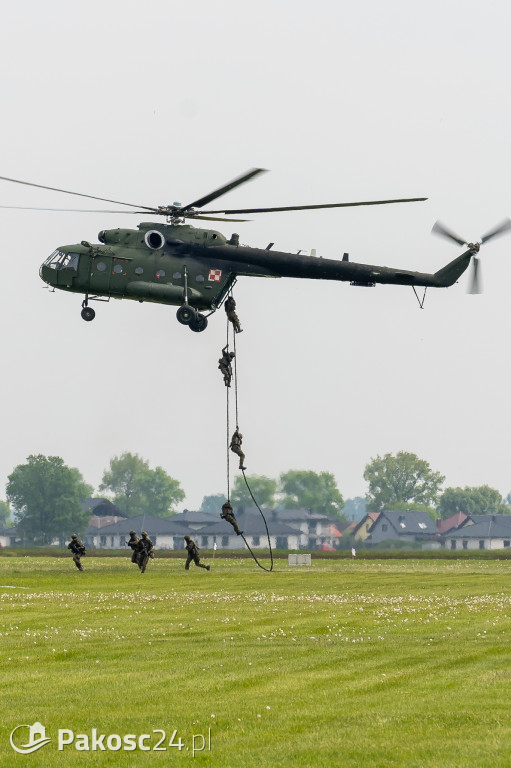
(365, 663)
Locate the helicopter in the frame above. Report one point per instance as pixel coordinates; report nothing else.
(194, 269)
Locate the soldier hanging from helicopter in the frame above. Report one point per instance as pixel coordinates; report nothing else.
(225, 366)
(235, 446)
(230, 309)
(228, 515)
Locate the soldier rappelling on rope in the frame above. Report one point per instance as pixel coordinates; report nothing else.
(228, 515)
(235, 446)
(225, 365)
(230, 309)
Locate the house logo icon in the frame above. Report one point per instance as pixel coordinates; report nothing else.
(36, 738)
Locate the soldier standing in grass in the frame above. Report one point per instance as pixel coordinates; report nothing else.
(193, 554)
(78, 550)
(144, 551)
(132, 542)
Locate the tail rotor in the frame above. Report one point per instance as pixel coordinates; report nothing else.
(443, 231)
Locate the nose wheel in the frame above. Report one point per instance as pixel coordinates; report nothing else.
(87, 312)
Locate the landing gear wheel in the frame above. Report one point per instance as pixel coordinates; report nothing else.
(88, 314)
(185, 314)
(198, 324)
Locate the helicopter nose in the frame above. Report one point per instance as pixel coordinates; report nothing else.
(46, 274)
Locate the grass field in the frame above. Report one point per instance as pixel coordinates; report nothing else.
(364, 663)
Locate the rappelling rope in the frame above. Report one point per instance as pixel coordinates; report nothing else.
(235, 377)
(267, 531)
(228, 428)
(228, 457)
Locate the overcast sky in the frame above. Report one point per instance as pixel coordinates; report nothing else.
(162, 101)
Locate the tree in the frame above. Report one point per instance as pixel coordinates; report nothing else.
(213, 503)
(139, 490)
(5, 515)
(121, 480)
(401, 478)
(309, 490)
(158, 492)
(481, 500)
(47, 496)
(263, 489)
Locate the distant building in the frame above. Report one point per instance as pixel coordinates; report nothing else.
(103, 512)
(410, 526)
(480, 532)
(289, 529)
(363, 528)
(451, 523)
(9, 537)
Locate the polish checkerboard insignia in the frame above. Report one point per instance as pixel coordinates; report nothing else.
(215, 275)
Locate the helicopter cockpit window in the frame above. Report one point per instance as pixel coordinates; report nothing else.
(59, 260)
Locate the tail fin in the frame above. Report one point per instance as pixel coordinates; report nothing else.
(449, 274)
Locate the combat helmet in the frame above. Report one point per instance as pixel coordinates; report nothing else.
(144, 533)
(133, 533)
(74, 536)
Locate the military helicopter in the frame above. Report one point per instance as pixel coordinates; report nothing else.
(178, 264)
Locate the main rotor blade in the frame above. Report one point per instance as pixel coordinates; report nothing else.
(504, 226)
(475, 285)
(315, 207)
(76, 210)
(443, 231)
(222, 190)
(212, 218)
(68, 192)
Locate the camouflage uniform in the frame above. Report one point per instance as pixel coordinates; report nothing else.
(235, 447)
(228, 514)
(225, 365)
(78, 550)
(144, 551)
(132, 542)
(230, 309)
(193, 554)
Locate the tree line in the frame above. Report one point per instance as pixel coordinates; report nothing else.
(46, 496)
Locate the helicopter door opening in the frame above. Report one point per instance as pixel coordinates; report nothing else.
(100, 272)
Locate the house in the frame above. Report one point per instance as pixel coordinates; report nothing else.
(363, 528)
(409, 526)
(481, 532)
(222, 534)
(287, 528)
(9, 537)
(164, 532)
(103, 512)
(451, 523)
(312, 528)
